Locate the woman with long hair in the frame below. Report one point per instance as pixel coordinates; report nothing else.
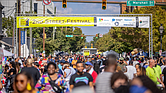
(10, 75)
(18, 69)
(141, 71)
(23, 83)
(12, 70)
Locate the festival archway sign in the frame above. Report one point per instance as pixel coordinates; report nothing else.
(99, 20)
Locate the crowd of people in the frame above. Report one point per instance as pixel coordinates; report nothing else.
(84, 74)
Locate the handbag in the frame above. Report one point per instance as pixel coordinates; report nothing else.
(54, 86)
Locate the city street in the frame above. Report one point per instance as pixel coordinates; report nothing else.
(82, 46)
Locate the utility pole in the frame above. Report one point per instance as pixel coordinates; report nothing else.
(30, 45)
(54, 32)
(13, 39)
(44, 32)
(54, 27)
(16, 51)
(19, 38)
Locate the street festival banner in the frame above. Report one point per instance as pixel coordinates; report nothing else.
(144, 22)
(116, 21)
(141, 22)
(34, 21)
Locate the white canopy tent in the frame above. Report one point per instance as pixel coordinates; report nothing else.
(6, 53)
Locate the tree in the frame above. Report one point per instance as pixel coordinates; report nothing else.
(128, 38)
(7, 24)
(159, 17)
(108, 43)
(61, 42)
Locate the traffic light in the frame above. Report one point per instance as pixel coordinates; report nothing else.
(82, 36)
(96, 36)
(104, 4)
(64, 3)
(91, 45)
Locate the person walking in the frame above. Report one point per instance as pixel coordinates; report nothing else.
(23, 83)
(80, 78)
(74, 61)
(31, 70)
(90, 70)
(121, 64)
(103, 80)
(51, 82)
(131, 70)
(150, 72)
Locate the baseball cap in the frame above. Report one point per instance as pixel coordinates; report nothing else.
(88, 63)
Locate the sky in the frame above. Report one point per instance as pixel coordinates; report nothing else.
(89, 8)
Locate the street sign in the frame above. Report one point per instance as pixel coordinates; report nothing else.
(22, 37)
(140, 3)
(47, 2)
(69, 35)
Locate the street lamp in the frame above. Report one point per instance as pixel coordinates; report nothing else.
(161, 29)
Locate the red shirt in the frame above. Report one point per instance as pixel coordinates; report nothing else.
(94, 74)
(40, 63)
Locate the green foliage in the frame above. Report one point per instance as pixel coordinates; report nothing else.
(7, 23)
(122, 39)
(158, 18)
(108, 43)
(61, 42)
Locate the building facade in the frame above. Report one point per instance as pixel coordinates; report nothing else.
(10, 7)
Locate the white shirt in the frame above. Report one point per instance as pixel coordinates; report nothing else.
(131, 71)
(162, 67)
(128, 62)
(127, 74)
(73, 70)
(135, 62)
